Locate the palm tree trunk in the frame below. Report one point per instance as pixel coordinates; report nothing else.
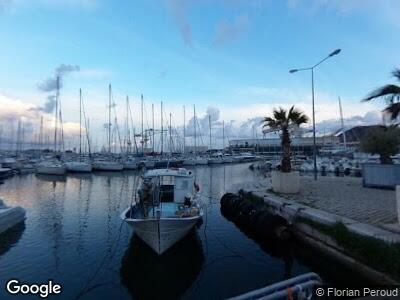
(286, 166)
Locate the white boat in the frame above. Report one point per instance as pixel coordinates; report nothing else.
(26, 169)
(51, 168)
(190, 161)
(215, 160)
(107, 165)
(10, 216)
(201, 161)
(5, 173)
(78, 166)
(131, 164)
(227, 159)
(166, 209)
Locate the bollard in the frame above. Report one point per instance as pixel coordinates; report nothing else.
(398, 202)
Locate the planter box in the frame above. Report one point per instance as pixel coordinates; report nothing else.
(381, 176)
(285, 183)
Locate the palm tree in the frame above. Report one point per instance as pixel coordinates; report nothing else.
(284, 120)
(391, 93)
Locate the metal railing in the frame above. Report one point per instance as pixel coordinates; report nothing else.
(299, 287)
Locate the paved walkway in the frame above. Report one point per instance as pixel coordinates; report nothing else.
(347, 197)
(344, 196)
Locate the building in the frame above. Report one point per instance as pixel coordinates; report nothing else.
(300, 145)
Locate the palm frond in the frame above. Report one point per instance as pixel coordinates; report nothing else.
(396, 73)
(389, 90)
(280, 114)
(297, 117)
(393, 110)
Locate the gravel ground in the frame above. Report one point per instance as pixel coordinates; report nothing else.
(347, 197)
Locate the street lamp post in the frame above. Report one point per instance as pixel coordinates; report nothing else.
(337, 51)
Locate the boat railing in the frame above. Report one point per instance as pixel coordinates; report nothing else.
(299, 287)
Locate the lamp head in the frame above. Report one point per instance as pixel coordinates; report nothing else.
(293, 71)
(336, 52)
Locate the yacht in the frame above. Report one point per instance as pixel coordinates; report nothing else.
(165, 209)
(78, 166)
(130, 164)
(201, 160)
(107, 165)
(50, 168)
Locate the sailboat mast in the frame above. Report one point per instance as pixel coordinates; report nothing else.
(109, 119)
(56, 113)
(194, 124)
(223, 136)
(127, 133)
(142, 134)
(209, 122)
(162, 130)
(184, 130)
(80, 122)
(41, 133)
(342, 122)
(170, 134)
(152, 126)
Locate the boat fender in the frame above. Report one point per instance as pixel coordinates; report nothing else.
(196, 187)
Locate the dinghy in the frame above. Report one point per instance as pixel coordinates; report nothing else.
(10, 216)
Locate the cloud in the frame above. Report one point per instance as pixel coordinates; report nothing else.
(51, 4)
(15, 110)
(230, 31)
(49, 105)
(50, 84)
(4, 4)
(332, 125)
(178, 10)
(386, 10)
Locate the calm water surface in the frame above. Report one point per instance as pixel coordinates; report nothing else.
(73, 235)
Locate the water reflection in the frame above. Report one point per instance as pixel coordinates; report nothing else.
(11, 237)
(52, 178)
(149, 276)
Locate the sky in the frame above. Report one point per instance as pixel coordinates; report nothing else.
(230, 58)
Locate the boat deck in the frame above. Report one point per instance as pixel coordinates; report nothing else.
(166, 210)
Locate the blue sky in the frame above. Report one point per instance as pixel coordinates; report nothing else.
(233, 55)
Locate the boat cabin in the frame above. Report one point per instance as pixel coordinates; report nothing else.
(175, 185)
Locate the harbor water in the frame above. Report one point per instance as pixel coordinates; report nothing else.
(73, 235)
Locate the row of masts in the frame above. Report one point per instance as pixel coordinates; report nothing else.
(128, 144)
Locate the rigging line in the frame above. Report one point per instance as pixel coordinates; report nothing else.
(109, 256)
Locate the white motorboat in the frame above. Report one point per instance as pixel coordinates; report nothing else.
(10, 216)
(166, 209)
(78, 166)
(51, 168)
(107, 165)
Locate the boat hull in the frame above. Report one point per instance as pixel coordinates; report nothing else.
(79, 167)
(130, 165)
(161, 234)
(10, 216)
(107, 166)
(51, 170)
